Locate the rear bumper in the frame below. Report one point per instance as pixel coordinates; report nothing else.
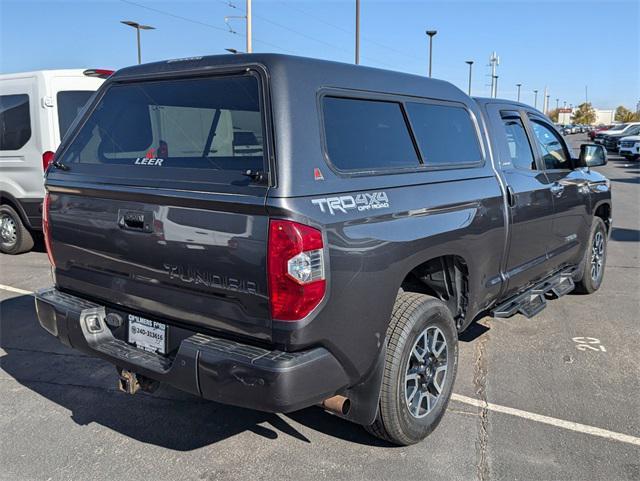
(214, 368)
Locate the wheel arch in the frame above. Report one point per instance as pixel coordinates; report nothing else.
(445, 277)
(603, 210)
(8, 199)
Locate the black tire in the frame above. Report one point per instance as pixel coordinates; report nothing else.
(413, 315)
(588, 284)
(14, 236)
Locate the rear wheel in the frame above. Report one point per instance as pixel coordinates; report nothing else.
(14, 236)
(420, 368)
(594, 260)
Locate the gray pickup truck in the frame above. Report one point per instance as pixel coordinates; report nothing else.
(278, 232)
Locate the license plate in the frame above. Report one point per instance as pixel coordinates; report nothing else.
(147, 334)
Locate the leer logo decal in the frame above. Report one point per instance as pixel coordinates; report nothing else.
(149, 158)
(361, 202)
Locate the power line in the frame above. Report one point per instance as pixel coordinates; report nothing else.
(186, 19)
(302, 34)
(350, 32)
(204, 24)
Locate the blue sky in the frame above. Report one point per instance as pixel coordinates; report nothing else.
(564, 45)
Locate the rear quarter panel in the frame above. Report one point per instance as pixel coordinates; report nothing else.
(371, 252)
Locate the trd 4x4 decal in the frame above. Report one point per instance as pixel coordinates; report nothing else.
(361, 202)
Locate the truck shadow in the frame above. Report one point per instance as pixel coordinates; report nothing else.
(86, 387)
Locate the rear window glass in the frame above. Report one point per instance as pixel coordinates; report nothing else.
(366, 135)
(70, 103)
(445, 134)
(15, 121)
(203, 123)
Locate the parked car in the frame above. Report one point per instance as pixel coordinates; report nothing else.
(596, 130)
(630, 147)
(376, 215)
(610, 141)
(36, 110)
(614, 130)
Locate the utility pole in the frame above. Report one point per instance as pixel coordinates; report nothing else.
(557, 104)
(431, 34)
(546, 104)
(357, 32)
(586, 94)
(535, 99)
(470, 63)
(249, 24)
(545, 100)
(138, 27)
(494, 61)
(518, 85)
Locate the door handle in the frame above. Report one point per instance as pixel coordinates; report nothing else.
(135, 220)
(557, 189)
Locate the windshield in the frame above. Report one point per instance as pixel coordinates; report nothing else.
(70, 103)
(198, 123)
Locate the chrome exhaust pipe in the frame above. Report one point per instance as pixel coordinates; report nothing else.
(131, 383)
(337, 404)
(128, 382)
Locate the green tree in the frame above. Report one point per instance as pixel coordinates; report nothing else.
(585, 114)
(623, 114)
(554, 114)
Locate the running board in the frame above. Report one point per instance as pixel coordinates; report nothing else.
(533, 300)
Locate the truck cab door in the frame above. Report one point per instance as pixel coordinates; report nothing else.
(569, 191)
(530, 206)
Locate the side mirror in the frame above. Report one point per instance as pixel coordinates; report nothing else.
(592, 155)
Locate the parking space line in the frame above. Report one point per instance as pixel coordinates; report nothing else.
(560, 423)
(14, 289)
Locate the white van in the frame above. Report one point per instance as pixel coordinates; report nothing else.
(36, 109)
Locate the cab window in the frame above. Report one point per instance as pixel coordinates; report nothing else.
(554, 154)
(520, 153)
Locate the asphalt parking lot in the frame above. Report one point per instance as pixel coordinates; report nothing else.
(553, 397)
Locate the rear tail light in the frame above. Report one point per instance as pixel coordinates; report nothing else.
(296, 269)
(47, 158)
(46, 228)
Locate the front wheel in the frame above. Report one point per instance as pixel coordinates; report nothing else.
(14, 236)
(594, 260)
(420, 368)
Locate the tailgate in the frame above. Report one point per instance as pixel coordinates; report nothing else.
(205, 266)
(157, 201)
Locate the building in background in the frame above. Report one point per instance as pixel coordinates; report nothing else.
(603, 116)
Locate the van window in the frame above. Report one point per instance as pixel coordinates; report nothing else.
(364, 135)
(200, 123)
(445, 134)
(70, 103)
(15, 121)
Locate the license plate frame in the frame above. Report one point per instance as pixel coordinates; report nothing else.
(146, 334)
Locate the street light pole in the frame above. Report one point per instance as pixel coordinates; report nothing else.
(470, 63)
(535, 99)
(138, 27)
(557, 104)
(431, 34)
(518, 85)
(249, 25)
(357, 32)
